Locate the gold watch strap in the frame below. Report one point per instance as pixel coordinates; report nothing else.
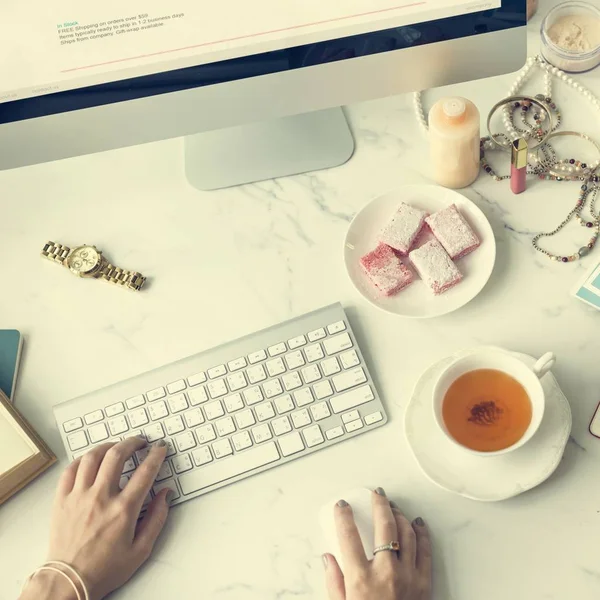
(129, 279)
(56, 252)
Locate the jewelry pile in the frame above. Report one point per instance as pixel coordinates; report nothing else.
(541, 126)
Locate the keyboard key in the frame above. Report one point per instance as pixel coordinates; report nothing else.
(236, 381)
(233, 403)
(303, 397)
(272, 388)
(158, 411)
(231, 467)
(142, 454)
(257, 357)
(196, 379)
(291, 444)
(98, 433)
(281, 425)
(314, 353)
(123, 482)
(351, 416)
(353, 425)
(185, 441)
(322, 390)
(170, 447)
(291, 381)
(261, 433)
(222, 448)
(202, 456)
(77, 441)
(336, 327)
(275, 367)
(264, 412)
(349, 379)
(313, 436)
(167, 484)
(156, 394)
(115, 409)
(351, 399)
(178, 403)
(297, 342)
(336, 432)
(245, 419)
(320, 411)
(118, 425)
(165, 472)
(241, 441)
(129, 465)
(277, 349)
(373, 418)
(214, 410)
(256, 374)
(206, 434)
(330, 366)
(225, 426)
(197, 396)
(135, 402)
(284, 404)
(337, 344)
(94, 417)
(237, 364)
(293, 360)
(300, 418)
(176, 386)
(193, 417)
(72, 425)
(217, 371)
(317, 334)
(182, 463)
(216, 389)
(154, 432)
(311, 374)
(349, 359)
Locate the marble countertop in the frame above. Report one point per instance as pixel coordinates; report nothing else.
(227, 263)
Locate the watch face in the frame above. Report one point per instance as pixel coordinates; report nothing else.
(83, 260)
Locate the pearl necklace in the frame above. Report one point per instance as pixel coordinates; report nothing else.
(567, 169)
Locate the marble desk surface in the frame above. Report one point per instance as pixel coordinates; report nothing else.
(227, 263)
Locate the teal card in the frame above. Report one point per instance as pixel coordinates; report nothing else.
(11, 342)
(588, 290)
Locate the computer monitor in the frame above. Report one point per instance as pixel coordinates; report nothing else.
(256, 87)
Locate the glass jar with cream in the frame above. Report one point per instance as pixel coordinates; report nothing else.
(571, 37)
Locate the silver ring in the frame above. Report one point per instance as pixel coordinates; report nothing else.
(391, 547)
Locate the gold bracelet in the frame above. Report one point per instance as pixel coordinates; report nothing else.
(46, 567)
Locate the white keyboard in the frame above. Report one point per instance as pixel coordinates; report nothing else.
(238, 409)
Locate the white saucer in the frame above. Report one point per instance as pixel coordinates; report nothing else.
(416, 300)
(493, 478)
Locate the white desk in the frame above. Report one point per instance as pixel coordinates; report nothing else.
(227, 263)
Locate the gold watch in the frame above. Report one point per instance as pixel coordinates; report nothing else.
(87, 261)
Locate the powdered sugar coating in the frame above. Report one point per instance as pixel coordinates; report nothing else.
(435, 267)
(402, 231)
(386, 270)
(453, 232)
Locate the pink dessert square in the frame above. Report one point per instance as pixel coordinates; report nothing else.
(435, 267)
(453, 232)
(386, 270)
(402, 231)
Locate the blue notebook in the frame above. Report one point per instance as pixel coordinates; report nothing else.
(588, 290)
(11, 342)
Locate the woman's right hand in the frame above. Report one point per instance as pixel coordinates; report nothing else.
(388, 575)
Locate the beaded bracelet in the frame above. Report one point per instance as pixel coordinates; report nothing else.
(47, 567)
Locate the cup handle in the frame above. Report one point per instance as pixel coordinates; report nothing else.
(544, 365)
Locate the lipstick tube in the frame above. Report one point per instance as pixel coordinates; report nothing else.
(518, 166)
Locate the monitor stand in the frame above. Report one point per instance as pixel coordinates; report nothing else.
(259, 151)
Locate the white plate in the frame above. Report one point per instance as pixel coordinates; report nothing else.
(486, 478)
(417, 301)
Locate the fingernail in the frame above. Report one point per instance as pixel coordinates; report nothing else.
(342, 503)
(325, 560)
(419, 522)
(160, 444)
(394, 505)
(170, 496)
(380, 491)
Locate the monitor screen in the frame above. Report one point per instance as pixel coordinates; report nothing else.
(76, 55)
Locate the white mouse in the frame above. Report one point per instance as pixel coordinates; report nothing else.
(360, 501)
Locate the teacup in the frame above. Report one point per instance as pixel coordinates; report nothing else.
(509, 364)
